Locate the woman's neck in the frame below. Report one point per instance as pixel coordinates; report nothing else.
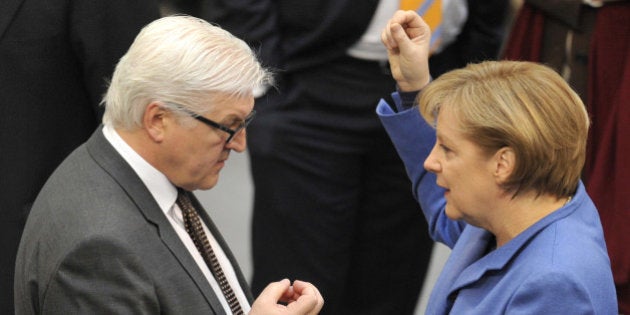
(523, 211)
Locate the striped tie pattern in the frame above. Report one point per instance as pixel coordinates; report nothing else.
(193, 226)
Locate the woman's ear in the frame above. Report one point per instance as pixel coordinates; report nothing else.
(505, 161)
(154, 121)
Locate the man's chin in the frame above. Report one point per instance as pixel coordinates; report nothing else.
(209, 183)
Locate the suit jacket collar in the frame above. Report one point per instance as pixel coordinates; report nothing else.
(107, 157)
(8, 8)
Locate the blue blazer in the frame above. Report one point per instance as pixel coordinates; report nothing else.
(557, 266)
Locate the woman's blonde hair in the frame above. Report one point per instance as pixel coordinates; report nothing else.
(522, 105)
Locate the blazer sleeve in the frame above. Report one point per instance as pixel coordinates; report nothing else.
(100, 34)
(100, 276)
(414, 140)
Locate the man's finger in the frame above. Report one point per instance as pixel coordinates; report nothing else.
(274, 291)
(309, 300)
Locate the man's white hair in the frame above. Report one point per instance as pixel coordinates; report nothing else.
(181, 60)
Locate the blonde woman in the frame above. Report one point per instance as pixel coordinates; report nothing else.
(494, 152)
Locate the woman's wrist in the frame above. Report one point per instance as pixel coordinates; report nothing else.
(411, 86)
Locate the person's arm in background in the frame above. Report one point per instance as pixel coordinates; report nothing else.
(101, 31)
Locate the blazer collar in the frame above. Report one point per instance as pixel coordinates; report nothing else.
(106, 156)
(499, 258)
(8, 8)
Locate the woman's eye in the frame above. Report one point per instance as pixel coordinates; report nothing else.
(445, 148)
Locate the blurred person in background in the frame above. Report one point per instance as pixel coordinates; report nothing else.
(55, 60)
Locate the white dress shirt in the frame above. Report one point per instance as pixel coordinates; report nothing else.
(165, 193)
(369, 46)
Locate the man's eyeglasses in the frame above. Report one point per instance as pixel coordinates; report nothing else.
(232, 130)
(236, 128)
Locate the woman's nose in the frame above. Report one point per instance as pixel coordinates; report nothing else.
(431, 163)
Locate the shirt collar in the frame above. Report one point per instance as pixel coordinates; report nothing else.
(162, 190)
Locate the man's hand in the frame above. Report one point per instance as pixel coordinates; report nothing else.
(407, 38)
(302, 298)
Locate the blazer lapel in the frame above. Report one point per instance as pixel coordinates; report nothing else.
(466, 266)
(499, 258)
(108, 158)
(8, 8)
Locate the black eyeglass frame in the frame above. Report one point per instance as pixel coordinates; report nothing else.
(231, 132)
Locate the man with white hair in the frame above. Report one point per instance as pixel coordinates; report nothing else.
(116, 228)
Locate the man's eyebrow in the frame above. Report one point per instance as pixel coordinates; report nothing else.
(232, 118)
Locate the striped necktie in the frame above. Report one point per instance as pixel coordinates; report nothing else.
(193, 226)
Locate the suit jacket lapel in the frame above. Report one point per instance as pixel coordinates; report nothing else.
(107, 157)
(8, 8)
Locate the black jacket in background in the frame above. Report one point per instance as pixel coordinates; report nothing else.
(55, 59)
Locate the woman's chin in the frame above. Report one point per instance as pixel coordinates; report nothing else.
(452, 213)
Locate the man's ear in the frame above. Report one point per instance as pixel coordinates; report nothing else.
(154, 121)
(505, 161)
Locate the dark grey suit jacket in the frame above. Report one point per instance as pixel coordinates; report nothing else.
(96, 241)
